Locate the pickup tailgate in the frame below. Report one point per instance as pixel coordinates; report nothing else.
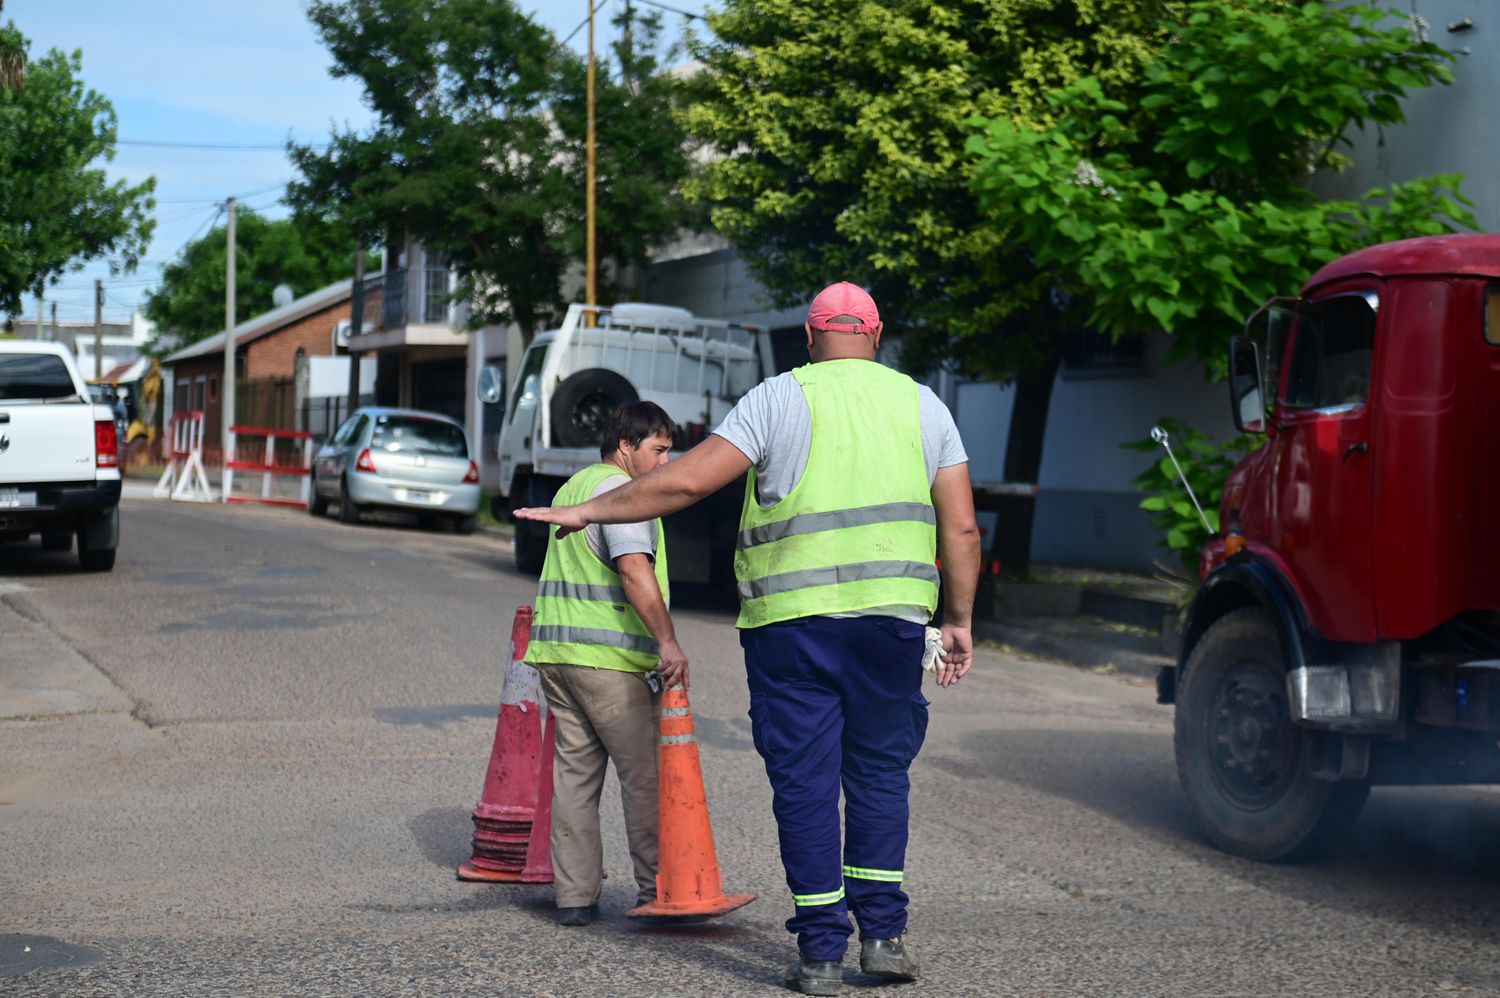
(46, 442)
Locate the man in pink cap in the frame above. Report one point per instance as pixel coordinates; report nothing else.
(858, 487)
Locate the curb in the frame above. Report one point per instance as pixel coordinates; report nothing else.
(1084, 654)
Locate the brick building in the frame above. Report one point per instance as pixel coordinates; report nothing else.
(271, 350)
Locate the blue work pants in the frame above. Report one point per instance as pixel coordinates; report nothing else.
(837, 702)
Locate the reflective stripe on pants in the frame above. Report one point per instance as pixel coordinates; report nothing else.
(837, 704)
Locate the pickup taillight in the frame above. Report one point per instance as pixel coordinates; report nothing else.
(106, 444)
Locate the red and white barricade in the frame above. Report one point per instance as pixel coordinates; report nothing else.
(185, 480)
(272, 454)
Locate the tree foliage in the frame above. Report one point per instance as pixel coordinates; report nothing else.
(476, 148)
(839, 132)
(303, 253)
(1186, 210)
(58, 209)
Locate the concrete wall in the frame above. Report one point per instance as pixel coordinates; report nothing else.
(1448, 129)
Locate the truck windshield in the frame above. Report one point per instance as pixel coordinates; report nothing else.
(34, 376)
(528, 382)
(415, 435)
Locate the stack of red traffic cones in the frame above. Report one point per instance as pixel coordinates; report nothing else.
(512, 836)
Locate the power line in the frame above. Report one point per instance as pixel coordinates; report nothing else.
(676, 10)
(212, 146)
(583, 22)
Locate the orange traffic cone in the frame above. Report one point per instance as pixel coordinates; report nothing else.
(687, 879)
(539, 849)
(503, 816)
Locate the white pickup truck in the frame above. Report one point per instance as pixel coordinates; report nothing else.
(59, 456)
(570, 380)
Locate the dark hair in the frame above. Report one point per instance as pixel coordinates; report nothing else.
(634, 421)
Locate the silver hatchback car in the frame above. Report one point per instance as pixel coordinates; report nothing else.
(398, 459)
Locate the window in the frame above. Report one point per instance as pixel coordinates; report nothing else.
(1333, 344)
(346, 430)
(529, 383)
(414, 435)
(1092, 353)
(435, 289)
(34, 376)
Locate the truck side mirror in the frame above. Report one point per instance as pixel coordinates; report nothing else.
(489, 388)
(1246, 393)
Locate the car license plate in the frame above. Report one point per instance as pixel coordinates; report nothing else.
(418, 495)
(16, 499)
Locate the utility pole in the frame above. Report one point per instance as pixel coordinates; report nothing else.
(54, 322)
(98, 328)
(226, 389)
(37, 334)
(590, 266)
(356, 324)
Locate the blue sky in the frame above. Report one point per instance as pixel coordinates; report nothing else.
(191, 71)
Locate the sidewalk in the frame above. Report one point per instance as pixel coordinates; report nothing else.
(1096, 619)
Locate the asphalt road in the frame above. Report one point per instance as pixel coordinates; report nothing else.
(244, 763)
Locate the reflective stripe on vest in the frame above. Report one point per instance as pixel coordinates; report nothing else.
(858, 530)
(583, 616)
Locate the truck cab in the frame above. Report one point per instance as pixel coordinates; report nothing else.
(1346, 632)
(570, 380)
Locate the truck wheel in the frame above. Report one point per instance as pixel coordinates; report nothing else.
(583, 402)
(1242, 762)
(531, 546)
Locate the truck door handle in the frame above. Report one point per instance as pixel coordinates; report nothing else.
(1360, 448)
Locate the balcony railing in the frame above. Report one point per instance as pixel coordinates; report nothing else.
(431, 306)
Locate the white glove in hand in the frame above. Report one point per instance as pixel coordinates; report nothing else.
(933, 654)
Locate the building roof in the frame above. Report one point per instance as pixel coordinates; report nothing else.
(1475, 254)
(268, 322)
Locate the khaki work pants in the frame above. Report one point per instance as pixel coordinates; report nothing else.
(602, 714)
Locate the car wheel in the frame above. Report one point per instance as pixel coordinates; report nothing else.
(316, 505)
(348, 511)
(57, 540)
(464, 524)
(1242, 761)
(583, 402)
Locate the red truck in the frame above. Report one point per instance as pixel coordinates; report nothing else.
(1347, 629)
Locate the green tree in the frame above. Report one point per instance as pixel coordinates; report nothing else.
(58, 210)
(1188, 210)
(303, 253)
(477, 152)
(839, 133)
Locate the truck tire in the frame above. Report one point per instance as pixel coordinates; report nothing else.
(1242, 762)
(97, 538)
(583, 402)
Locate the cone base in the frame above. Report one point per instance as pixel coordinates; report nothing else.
(468, 871)
(717, 906)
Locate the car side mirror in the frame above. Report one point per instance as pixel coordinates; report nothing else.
(490, 387)
(1246, 392)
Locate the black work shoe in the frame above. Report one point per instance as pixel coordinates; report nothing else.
(577, 916)
(888, 958)
(815, 977)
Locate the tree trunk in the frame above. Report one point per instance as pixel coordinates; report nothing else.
(1011, 545)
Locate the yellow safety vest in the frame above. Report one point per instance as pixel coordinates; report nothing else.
(582, 614)
(858, 530)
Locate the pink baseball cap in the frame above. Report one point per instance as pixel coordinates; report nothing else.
(839, 299)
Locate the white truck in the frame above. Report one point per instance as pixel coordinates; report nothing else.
(570, 380)
(59, 456)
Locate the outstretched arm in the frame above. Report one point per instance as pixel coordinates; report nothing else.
(700, 472)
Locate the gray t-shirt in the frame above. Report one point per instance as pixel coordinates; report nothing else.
(609, 541)
(772, 426)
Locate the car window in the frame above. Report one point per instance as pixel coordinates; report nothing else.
(1332, 349)
(346, 430)
(34, 376)
(529, 380)
(418, 435)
